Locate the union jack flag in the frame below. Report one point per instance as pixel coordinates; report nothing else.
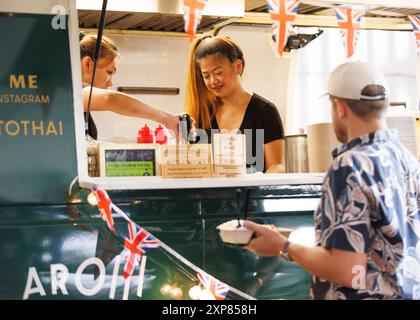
(218, 289)
(415, 21)
(192, 15)
(140, 241)
(349, 23)
(283, 13)
(105, 207)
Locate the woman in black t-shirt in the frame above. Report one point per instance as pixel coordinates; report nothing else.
(216, 98)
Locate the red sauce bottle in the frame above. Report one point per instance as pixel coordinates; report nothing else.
(161, 135)
(145, 135)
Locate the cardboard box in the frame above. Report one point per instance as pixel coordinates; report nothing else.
(229, 155)
(187, 161)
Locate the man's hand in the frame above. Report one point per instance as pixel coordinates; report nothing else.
(268, 241)
(341, 267)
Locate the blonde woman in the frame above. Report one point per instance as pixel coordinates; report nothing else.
(104, 99)
(216, 98)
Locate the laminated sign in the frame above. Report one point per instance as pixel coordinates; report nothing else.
(187, 161)
(229, 155)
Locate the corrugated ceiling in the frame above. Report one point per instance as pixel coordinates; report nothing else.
(261, 6)
(175, 23)
(142, 21)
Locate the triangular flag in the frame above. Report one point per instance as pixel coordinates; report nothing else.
(282, 13)
(139, 242)
(349, 23)
(218, 289)
(192, 15)
(415, 21)
(105, 207)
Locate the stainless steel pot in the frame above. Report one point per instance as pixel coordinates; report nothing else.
(296, 153)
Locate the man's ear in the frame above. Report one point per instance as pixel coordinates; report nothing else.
(341, 108)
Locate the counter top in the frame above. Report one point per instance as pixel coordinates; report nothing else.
(149, 183)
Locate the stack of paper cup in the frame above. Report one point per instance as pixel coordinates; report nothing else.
(321, 142)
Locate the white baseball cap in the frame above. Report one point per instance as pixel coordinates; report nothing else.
(349, 79)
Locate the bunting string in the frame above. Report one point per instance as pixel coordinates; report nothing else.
(140, 241)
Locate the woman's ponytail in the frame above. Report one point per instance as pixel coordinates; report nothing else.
(198, 101)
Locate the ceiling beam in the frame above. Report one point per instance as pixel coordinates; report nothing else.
(305, 20)
(151, 34)
(411, 4)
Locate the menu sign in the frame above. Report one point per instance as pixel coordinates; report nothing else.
(229, 155)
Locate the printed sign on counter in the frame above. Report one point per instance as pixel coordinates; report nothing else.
(229, 155)
(187, 161)
(128, 159)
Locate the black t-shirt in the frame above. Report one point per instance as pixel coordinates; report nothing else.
(92, 130)
(261, 123)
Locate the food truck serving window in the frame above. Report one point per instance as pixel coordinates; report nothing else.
(42, 122)
(152, 166)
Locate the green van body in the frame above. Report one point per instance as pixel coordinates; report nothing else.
(48, 230)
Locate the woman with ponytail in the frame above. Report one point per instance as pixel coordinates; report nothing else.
(104, 99)
(216, 98)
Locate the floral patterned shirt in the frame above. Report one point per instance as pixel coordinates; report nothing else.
(370, 204)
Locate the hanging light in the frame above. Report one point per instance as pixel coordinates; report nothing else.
(91, 199)
(176, 293)
(165, 289)
(195, 292)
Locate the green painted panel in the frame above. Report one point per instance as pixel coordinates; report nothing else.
(41, 236)
(37, 133)
(238, 267)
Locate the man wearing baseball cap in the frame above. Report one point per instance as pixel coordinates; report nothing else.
(367, 224)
